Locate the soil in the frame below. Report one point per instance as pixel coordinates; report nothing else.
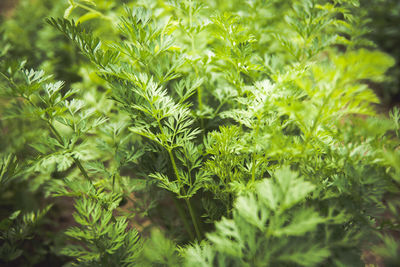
(6, 7)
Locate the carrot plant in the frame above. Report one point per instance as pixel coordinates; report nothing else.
(207, 133)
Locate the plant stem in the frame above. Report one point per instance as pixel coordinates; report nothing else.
(253, 167)
(230, 206)
(194, 220)
(199, 99)
(56, 133)
(83, 171)
(93, 11)
(171, 156)
(61, 141)
(191, 211)
(178, 206)
(199, 90)
(77, 161)
(317, 118)
(182, 215)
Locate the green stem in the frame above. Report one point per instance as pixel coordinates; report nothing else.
(179, 208)
(194, 220)
(61, 141)
(191, 15)
(317, 118)
(93, 11)
(9, 80)
(218, 108)
(182, 215)
(171, 156)
(83, 171)
(77, 161)
(191, 211)
(199, 90)
(199, 99)
(253, 169)
(55, 132)
(230, 205)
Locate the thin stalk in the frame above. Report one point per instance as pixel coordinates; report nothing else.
(199, 90)
(218, 108)
(55, 132)
(77, 161)
(171, 156)
(191, 211)
(9, 80)
(194, 220)
(182, 215)
(199, 99)
(192, 43)
(83, 171)
(93, 11)
(190, 13)
(317, 118)
(61, 141)
(253, 167)
(178, 207)
(230, 205)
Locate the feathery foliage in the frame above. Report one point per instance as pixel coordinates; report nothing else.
(246, 132)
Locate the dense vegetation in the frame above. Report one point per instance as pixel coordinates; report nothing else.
(198, 133)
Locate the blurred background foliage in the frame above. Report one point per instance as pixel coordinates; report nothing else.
(384, 21)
